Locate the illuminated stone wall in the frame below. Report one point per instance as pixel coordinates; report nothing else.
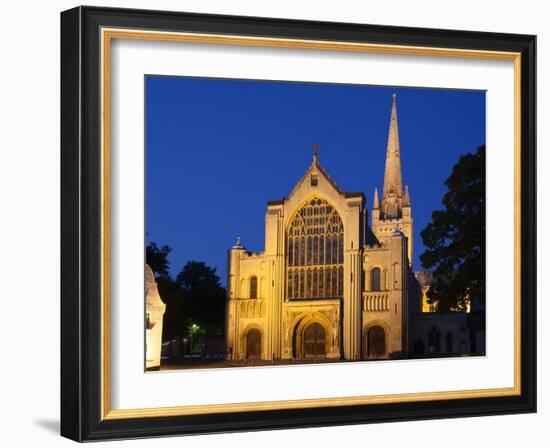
(343, 316)
(154, 313)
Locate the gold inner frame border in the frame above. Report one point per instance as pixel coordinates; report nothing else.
(107, 35)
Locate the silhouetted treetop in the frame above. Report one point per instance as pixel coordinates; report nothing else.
(455, 238)
(157, 258)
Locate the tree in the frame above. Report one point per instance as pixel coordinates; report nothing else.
(195, 300)
(455, 238)
(204, 297)
(175, 321)
(157, 258)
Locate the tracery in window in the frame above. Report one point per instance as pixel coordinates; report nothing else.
(315, 252)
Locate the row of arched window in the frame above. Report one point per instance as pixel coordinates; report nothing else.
(315, 282)
(434, 343)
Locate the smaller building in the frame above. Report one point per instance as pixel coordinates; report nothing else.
(434, 333)
(439, 334)
(154, 314)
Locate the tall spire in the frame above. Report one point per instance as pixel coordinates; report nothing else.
(392, 194)
(375, 203)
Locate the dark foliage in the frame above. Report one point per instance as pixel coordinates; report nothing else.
(204, 297)
(195, 300)
(157, 258)
(455, 239)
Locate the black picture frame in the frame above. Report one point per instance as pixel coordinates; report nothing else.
(81, 224)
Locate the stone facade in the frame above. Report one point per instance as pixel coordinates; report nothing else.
(154, 314)
(327, 285)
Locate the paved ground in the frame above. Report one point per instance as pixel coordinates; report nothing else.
(181, 362)
(187, 363)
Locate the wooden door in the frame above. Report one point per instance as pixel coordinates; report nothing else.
(315, 341)
(253, 344)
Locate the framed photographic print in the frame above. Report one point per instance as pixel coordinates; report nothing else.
(275, 224)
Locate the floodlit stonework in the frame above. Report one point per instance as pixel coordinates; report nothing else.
(328, 284)
(154, 313)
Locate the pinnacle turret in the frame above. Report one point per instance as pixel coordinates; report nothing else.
(406, 198)
(238, 244)
(375, 203)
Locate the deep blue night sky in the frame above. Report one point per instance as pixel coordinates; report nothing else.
(218, 150)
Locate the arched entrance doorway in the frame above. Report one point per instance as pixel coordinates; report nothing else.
(376, 343)
(315, 341)
(253, 344)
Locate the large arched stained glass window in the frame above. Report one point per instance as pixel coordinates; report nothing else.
(315, 252)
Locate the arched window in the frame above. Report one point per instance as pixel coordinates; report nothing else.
(375, 279)
(449, 342)
(253, 287)
(434, 340)
(315, 252)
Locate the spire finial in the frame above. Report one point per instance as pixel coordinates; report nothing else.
(316, 148)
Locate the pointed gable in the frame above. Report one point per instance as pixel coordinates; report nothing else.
(316, 182)
(315, 169)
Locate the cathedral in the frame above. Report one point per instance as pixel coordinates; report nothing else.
(329, 285)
